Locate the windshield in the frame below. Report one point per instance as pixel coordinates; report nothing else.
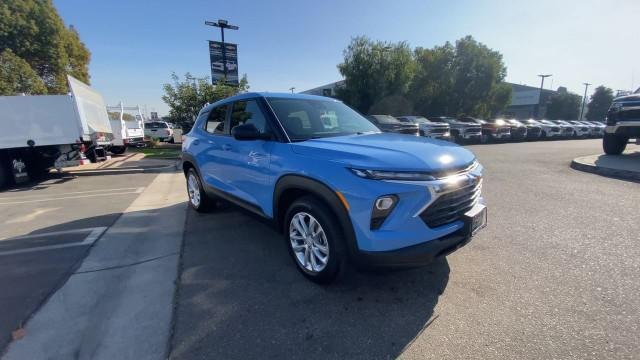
(444, 119)
(156, 125)
(420, 120)
(498, 121)
(305, 119)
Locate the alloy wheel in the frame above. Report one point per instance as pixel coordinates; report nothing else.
(308, 242)
(194, 190)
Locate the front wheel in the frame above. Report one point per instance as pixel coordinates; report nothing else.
(614, 145)
(198, 198)
(314, 240)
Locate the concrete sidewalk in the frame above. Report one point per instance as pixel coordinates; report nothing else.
(626, 166)
(119, 303)
(124, 164)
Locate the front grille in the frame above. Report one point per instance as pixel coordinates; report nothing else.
(627, 115)
(473, 130)
(451, 206)
(555, 128)
(503, 130)
(533, 130)
(438, 130)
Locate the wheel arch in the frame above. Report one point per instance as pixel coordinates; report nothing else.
(291, 187)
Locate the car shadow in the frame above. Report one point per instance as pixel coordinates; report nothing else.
(241, 297)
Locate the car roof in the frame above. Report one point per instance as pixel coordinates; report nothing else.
(252, 95)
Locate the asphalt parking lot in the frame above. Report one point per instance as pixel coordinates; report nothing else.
(47, 229)
(554, 275)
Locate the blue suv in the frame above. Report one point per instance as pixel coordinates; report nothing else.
(339, 189)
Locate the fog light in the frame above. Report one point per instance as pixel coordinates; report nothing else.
(384, 203)
(382, 207)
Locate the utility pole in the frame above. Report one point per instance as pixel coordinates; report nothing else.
(584, 98)
(537, 114)
(292, 88)
(223, 24)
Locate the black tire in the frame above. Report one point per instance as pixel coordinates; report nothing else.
(337, 258)
(118, 150)
(613, 144)
(205, 203)
(4, 176)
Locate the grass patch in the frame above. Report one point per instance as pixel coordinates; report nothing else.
(163, 153)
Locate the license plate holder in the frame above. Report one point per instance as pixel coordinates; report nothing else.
(475, 219)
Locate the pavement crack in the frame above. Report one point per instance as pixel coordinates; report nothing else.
(127, 265)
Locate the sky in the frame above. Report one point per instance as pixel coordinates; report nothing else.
(136, 44)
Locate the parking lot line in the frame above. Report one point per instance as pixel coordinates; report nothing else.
(94, 234)
(136, 191)
(75, 192)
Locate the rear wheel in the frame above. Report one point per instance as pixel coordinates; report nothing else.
(613, 144)
(315, 240)
(198, 199)
(4, 175)
(118, 150)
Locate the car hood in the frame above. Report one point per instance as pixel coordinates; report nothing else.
(632, 97)
(444, 124)
(387, 151)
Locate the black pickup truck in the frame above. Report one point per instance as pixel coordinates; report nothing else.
(388, 123)
(623, 123)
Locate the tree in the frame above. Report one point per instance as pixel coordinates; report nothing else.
(16, 76)
(373, 72)
(187, 97)
(465, 79)
(34, 31)
(563, 105)
(599, 103)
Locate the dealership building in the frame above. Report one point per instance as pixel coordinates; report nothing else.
(524, 99)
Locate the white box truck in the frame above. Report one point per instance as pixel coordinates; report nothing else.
(127, 124)
(41, 132)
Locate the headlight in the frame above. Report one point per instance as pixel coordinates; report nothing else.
(392, 175)
(446, 134)
(616, 106)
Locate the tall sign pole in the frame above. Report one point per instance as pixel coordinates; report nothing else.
(584, 98)
(537, 114)
(223, 24)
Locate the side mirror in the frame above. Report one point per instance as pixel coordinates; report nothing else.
(247, 132)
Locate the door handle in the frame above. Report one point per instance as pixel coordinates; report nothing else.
(226, 147)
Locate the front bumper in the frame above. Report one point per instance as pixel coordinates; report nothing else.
(471, 136)
(415, 255)
(624, 128)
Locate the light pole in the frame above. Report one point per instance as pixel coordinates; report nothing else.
(540, 96)
(223, 24)
(292, 88)
(584, 98)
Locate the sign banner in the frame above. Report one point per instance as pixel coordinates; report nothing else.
(218, 65)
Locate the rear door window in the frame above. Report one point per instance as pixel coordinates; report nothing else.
(216, 122)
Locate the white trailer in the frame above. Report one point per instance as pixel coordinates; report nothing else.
(44, 131)
(127, 123)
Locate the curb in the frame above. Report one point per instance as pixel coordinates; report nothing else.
(612, 172)
(116, 171)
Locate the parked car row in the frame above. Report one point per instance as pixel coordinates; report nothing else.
(473, 130)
